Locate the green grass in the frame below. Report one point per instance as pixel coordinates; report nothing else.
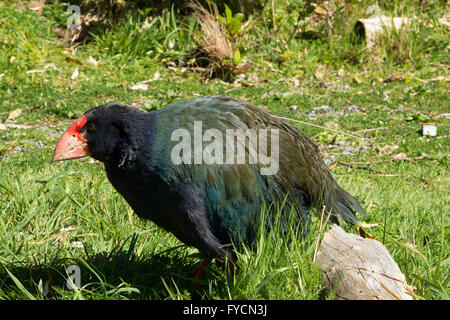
(46, 206)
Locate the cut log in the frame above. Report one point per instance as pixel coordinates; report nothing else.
(370, 29)
(360, 269)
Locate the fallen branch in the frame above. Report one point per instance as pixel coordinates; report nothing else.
(5, 126)
(392, 78)
(372, 175)
(317, 126)
(371, 129)
(359, 164)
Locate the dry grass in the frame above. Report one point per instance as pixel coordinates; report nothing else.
(215, 50)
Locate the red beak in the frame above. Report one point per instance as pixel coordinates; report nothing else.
(72, 144)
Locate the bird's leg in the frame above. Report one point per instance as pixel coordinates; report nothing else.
(199, 273)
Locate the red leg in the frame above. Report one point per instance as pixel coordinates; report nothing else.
(199, 273)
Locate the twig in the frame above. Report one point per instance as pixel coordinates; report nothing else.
(371, 129)
(356, 163)
(273, 16)
(318, 235)
(371, 175)
(369, 163)
(4, 126)
(317, 126)
(407, 287)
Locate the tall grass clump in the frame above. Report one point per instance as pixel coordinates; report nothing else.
(141, 35)
(411, 44)
(219, 40)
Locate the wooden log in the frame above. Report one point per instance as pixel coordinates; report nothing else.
(360, 269)
(370, 29)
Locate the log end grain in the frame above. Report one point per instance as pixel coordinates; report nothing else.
(360, 269)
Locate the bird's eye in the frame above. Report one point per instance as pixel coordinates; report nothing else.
(90, 127)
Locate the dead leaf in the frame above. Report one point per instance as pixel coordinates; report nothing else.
(401, 156)
(357, 79)
(251, 84)
(140, 86)
(440, 65)
(15, 113)
(367, 225)
(439, 78)
(93, 61)
(37, 6)
(319, 75)
(270, 66)
(400, 78)
(241, 68)
(387, 149)
(3, 74)
(393, 78)
(74, 60)
(5, 126)
(320, 10)
(445, 20)
(61, 32)
(50, 65)
(143, 84)
(34, 71)
(74, 74)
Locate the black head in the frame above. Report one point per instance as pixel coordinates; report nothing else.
(112, 133)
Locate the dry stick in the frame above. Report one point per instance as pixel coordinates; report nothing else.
(371, 175)
(371, 129)
(317, 126)
(406, 286)
(26, 126)
(318, 235)
(4, 126)
(273, 16)
(369, 163)
(388, 290)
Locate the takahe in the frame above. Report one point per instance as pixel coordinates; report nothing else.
(207, 197)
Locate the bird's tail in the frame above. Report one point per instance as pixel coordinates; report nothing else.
(344, 206)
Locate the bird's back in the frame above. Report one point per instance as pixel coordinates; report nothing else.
(235, 192)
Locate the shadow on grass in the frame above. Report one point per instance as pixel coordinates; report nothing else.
(118, 274)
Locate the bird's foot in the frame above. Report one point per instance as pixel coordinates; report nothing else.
(199, 273)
